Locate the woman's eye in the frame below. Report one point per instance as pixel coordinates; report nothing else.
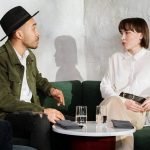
(128, 32)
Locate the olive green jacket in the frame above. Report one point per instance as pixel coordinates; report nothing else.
(11, 76)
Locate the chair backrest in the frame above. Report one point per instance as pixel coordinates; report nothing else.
(91, 97)
(76, 93)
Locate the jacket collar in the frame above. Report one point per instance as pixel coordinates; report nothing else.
(13, 56)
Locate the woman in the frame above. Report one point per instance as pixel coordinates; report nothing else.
(127, 79)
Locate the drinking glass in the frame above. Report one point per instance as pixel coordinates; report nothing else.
(101, 114)
(98, 115)
(81, 115)
(104, 114)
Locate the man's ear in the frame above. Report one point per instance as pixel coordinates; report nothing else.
(19, 34)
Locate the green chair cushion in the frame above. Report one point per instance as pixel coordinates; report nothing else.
(142, 139)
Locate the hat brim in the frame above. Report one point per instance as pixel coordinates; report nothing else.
(19, 24)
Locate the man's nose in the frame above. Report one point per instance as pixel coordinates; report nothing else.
(37, 34)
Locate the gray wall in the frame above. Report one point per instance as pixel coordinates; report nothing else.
(102, 38)
(78, 36)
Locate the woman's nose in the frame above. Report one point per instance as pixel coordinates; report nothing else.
(123, 36)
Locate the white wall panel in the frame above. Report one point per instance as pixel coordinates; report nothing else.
(78, 36)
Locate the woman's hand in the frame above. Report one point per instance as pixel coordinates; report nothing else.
(133, 106)
(146, 104)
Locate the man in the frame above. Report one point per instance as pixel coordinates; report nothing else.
(126, 85)
(20, 79)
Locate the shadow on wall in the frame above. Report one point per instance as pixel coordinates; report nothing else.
(66, 59)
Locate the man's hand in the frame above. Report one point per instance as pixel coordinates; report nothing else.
(133, 106)
(146, 104)
(53, 115)
(58, 95)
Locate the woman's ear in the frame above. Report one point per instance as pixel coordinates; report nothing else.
(141, 36)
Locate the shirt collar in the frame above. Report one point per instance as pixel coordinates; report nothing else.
(137, 56)
(24, 56)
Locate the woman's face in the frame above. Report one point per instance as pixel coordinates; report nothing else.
(131, 40)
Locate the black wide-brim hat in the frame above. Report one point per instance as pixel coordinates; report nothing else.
(14, 19)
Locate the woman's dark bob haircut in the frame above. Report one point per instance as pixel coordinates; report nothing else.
(136, 24)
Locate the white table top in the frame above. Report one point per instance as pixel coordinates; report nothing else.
(93, 130)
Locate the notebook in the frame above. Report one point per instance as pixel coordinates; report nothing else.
(67, 124)
(122, 124)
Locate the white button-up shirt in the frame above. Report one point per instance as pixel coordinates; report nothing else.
(127, 73)
(26, 93)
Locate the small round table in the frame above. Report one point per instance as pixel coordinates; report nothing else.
(93, 136)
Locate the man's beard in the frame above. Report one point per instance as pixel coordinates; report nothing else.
(33, 45)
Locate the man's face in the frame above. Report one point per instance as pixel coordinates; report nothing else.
(29, 34)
